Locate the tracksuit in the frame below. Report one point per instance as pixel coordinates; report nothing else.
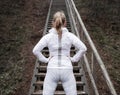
(59, 62)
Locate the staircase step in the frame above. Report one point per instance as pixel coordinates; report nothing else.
(59, 83)
(76, 69)
(73, 50)
(45, 67)
(59, 93)
(43, 75)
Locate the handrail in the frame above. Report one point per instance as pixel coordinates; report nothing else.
(91, 77)
(33, 79)
(88, 67)
(48, 16)
(94, 50)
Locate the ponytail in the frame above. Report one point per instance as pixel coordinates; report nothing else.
(58, 21)
(58, 25)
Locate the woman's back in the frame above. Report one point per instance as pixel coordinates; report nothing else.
(59, 48)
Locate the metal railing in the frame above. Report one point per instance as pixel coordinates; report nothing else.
(97, 76)
(32, 88)
(47, 20)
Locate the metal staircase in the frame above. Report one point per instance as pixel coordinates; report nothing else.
(83, 87)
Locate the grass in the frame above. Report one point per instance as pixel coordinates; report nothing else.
(20, 21)
(11, 37)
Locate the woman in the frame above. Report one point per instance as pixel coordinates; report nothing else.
(59, 41)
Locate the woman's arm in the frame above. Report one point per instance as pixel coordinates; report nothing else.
(37, 50)
(78, 45)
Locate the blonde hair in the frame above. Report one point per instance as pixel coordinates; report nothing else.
(58, 21)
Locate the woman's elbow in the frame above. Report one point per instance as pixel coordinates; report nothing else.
(84, 49)
(34, 51)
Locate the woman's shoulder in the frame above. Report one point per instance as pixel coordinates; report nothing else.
(48, 35)
(71, 35)
(52, 31)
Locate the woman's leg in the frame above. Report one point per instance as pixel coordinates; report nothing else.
(68, 82)
(50, 82)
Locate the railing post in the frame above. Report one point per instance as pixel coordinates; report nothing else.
(91, 76)
(92, 62)
(48, 16)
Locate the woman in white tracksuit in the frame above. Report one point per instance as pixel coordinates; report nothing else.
(59, 41)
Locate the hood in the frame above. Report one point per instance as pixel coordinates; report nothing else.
(54, 31)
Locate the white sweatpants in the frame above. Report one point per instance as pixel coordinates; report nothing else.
(66, 77)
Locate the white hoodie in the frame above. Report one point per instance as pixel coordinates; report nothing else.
(59, 49)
